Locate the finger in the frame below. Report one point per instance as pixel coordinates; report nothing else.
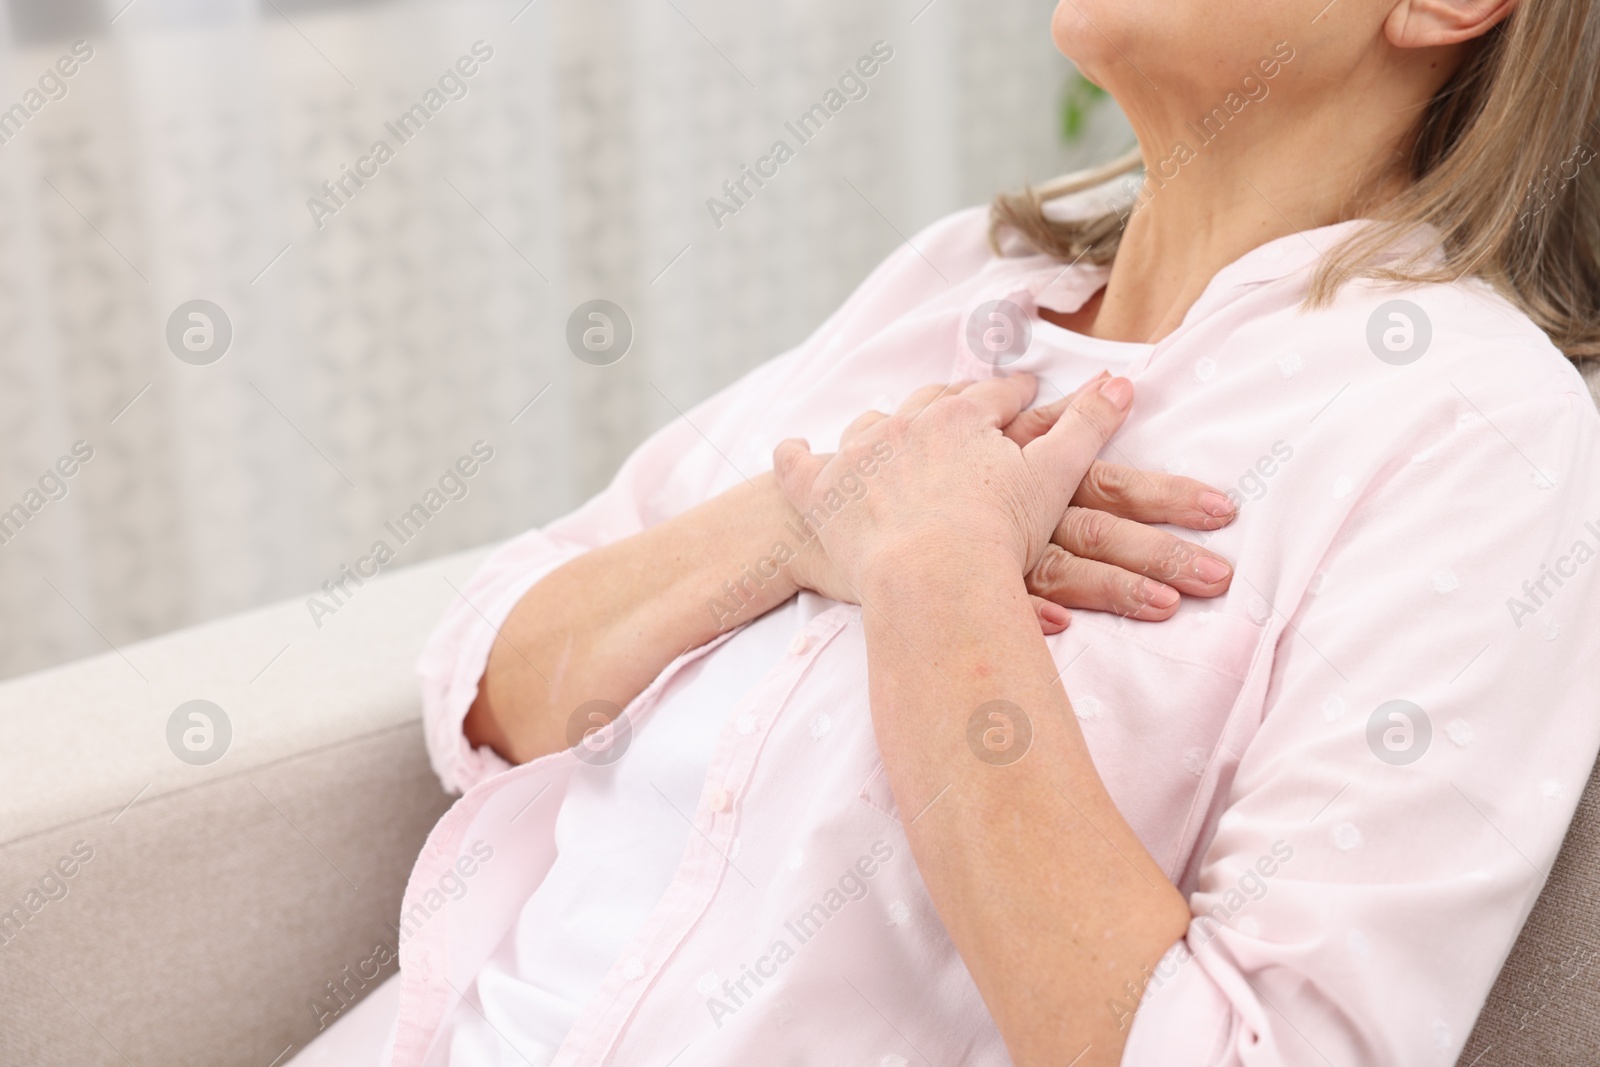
(1065, 453)
(921, 398)
(862, 423)
(1140, 549)
(1002, 399)
(1073, 582)
(797, 470)
(1035, 422)
(1153, 496)
(1053, 618)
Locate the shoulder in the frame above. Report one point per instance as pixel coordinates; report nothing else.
(1458, 398)
(1441, 348)
(1423, 399)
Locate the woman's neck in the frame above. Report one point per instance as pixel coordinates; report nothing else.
(1228, 199)
(1168, 256)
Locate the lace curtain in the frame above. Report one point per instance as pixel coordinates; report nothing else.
(356, 339)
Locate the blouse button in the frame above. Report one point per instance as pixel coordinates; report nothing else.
(720, 800)
(633, 968)
(746, 725)
(799, 644)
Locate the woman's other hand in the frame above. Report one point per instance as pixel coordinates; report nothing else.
(1104, 555)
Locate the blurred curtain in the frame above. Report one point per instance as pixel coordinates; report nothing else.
(367, 355)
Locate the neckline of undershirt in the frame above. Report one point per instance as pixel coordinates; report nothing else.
(1059, 337)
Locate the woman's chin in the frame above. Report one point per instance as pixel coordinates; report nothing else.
(1095, 42)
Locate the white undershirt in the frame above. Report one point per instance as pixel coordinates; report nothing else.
(620, 837)
(1066, 350)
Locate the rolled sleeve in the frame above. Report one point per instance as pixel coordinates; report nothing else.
(671, 472)
(1191, 1022)
(454, 659)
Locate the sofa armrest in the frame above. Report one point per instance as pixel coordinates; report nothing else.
(219, 913)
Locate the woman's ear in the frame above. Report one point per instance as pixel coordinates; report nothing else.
(1436, 23)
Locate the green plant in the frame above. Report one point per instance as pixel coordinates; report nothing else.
(1080, 98)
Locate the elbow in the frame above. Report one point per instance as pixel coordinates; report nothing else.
(484, 726)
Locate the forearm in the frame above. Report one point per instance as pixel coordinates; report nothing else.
(602, 626)
(1047, 893)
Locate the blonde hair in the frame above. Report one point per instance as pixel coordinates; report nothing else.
(1502, 167)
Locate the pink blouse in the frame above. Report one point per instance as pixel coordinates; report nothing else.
(1358, 765)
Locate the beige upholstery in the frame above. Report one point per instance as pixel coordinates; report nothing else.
(220, 906)
(1544, 1010)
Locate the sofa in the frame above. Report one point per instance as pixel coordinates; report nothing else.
(163, 908)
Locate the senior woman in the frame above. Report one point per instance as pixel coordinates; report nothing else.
(872, 799)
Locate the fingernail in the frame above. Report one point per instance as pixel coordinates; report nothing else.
(1092, 382)
(1211, 570)
(1216, 505)
(1056, 614)
(1158, 595)
(1119, 391)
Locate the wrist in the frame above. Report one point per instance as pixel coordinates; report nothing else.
(792, 544)
(749, 569)
(780, 541)
(940, 568)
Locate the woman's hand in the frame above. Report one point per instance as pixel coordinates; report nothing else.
(1102, 556)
